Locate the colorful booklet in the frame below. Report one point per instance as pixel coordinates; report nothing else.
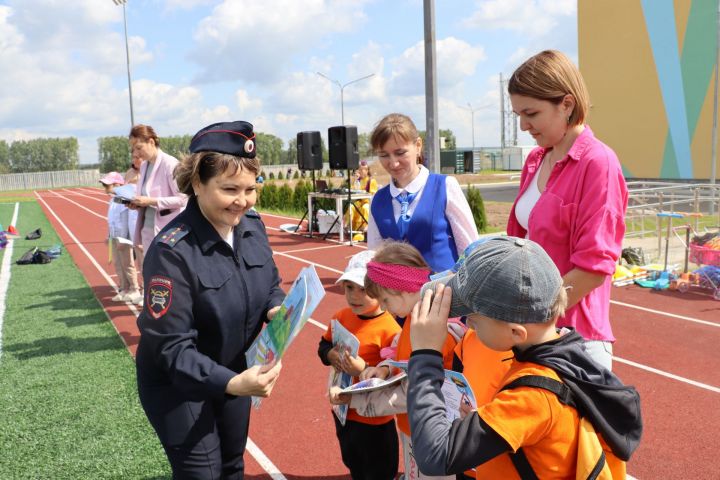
(344, 341)
(456, 390)
(371, 384)
(300, 302)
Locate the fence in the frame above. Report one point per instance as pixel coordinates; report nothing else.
(699, 202)
(41, 180)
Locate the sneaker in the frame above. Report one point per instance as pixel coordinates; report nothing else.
(133, 297)
(120, 297)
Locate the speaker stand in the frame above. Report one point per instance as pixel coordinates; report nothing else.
(311, 217)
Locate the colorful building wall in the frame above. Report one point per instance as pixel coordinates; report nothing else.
(650, 69)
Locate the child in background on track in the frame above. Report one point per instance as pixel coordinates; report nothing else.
(395, 277)
(120, 238)
(369, 446)
(512, 294)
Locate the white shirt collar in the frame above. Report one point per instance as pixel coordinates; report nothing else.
(413, 187)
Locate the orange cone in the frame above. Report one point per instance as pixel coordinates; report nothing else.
(11, 229)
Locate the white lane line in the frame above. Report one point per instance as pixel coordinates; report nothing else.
(264, 461)
(300, 250)
(308, 262)
(666, 314)
(74, 203)
(5, 272)
(77, 194)
(317, 324)
(99, 268)
(666, 374)
(259, 456)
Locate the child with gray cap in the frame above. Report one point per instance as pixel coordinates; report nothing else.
(554, 398)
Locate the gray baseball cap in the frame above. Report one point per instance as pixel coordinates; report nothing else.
(506, 278)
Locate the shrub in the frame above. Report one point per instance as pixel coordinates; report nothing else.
(299, 198)
(296, 175)
(284, 197)
(267, 196)
(271, 176)
(477, 206)
(280, 176)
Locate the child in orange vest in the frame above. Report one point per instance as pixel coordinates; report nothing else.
(395, 277)
(369, 445)
(512, 294)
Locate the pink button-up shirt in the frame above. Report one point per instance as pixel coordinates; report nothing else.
(580, 222)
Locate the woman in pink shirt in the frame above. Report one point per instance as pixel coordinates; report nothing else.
(572, 197)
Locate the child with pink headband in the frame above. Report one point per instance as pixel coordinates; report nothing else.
(395, 277)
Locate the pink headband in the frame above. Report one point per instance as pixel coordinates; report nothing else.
(398, 277)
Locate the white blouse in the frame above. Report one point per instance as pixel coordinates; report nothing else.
(527, 201)
(457, 211)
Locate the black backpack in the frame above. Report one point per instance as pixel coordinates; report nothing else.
(34, 255)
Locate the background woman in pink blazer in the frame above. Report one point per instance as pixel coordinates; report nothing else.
(157, 198)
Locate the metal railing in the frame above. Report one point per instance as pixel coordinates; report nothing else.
(41, 180)
(699, 201)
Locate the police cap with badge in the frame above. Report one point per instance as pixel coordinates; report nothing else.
(234, 138)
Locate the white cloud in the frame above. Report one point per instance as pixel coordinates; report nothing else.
(186, 4)
(247, 103)
(532, 17)
(256, 41)
(456, 60)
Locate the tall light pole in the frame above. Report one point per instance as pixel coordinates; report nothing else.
(342, 90)
(472, 113)
(432, 137)
(127, 57)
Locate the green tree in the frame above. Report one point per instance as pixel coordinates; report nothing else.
(450, 140)
(114, 154)
(4, 157)
(477, 207)
(364, 147)
(44, 155)
(291, 157)
(177, 146)
(269, 148)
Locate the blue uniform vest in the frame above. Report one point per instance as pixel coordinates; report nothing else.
(429, 230)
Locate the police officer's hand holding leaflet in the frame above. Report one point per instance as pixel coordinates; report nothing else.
(210, 284)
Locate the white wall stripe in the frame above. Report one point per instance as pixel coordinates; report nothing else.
(5, 272)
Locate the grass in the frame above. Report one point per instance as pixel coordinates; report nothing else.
(67, 384)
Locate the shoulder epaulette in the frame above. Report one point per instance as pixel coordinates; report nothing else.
(172, 236)
(252, 213)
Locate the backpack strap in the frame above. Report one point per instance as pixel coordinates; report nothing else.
(564, 395)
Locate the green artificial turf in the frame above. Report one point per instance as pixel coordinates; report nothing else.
(68, 398)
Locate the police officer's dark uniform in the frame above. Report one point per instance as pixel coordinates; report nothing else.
(205, 303)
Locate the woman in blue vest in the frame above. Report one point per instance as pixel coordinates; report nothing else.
(427, 210)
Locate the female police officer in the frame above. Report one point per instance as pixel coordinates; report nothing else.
(210, 282)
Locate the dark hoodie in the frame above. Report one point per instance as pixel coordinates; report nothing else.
(612, 408)
(441, 447)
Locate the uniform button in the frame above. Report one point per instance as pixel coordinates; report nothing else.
(520, 242)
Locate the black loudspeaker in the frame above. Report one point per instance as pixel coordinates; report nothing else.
(343, 148)
(309, 151)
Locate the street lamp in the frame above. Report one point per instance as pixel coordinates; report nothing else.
(127, 57)
(472, 114)
(342, 88)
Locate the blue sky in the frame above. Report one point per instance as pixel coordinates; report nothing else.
(196, 62)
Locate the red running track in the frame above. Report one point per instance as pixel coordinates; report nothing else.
(667, 348)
